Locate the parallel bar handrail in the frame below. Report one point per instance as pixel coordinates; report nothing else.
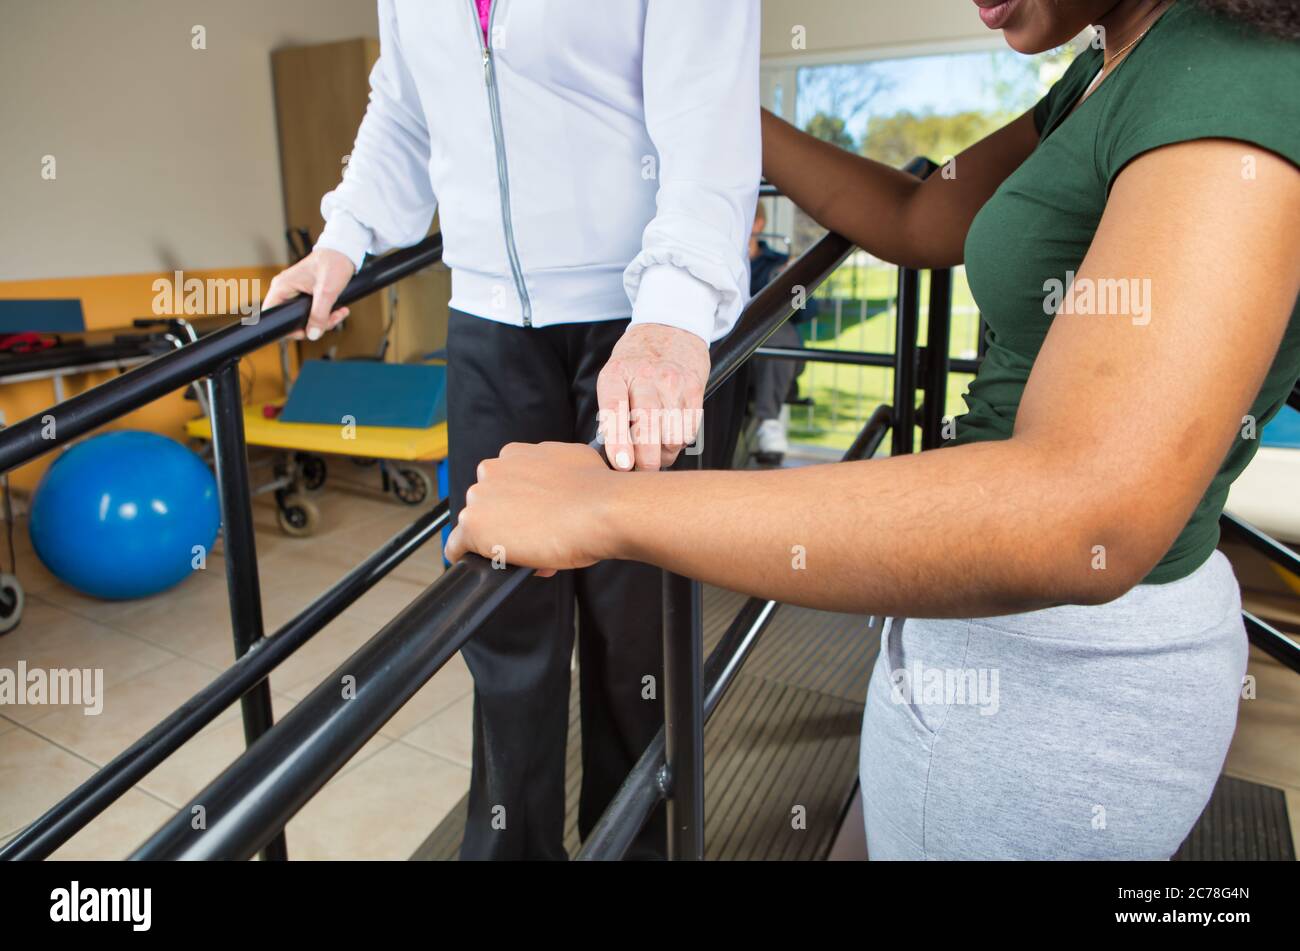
(1266, 545)
(215, 356)
(859, 358)
(108, 784)
(262, 790)
(649, 780)
(25, 440)
(1271, 641)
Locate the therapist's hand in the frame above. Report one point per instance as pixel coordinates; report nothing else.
(546, 506)
(323, 274)
(651, 396)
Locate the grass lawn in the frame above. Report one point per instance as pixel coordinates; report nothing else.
(844, 396)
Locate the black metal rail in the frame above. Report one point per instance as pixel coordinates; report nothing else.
(246, 807)
(862, 358)
(1269, 547)
(1271, 641)
(1267, 638)
(60, 823)
(253, 799)
(243, 585)
(215, 356)
(651, 779)
(32, 437)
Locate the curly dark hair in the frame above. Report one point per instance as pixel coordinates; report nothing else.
(1279, 18)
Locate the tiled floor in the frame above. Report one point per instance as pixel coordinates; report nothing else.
(157, 652)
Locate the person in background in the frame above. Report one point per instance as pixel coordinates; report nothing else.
(596, 168)
(770, 379)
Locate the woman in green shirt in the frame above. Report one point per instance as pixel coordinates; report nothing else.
(1131, 243)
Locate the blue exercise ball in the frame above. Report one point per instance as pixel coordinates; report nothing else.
(119, 515)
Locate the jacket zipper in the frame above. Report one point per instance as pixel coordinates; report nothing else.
(499, 145)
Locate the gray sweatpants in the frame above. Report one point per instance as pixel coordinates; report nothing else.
(1071, 732)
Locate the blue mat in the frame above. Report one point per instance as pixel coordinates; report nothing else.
(1283, 430)
(41, 316)
(405, 395)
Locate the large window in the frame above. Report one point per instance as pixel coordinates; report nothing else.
(890, 110)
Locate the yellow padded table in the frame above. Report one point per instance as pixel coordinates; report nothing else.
(372, 442)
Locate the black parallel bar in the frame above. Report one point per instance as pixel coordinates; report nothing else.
(853, 358)
(40, 839)
(938, 339)
(683, 636)
(1266, 545)
(1272, 641)
(74, 417)
(774, 305)
(230, 458)
(261, 791)
(906, 328)
(645, 784)
(650, 781)
(858, 358)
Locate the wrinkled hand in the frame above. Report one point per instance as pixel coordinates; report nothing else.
(323, 274)
(651, 396)
(538, 506)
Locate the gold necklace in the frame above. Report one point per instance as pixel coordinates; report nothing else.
(1124, 49)
(1108, 68)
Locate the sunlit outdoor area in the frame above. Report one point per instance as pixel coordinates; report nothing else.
(893, 110)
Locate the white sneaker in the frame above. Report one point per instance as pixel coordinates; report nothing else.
(772, 442)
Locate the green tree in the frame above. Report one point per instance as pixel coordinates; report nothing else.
(897, 139)
(832, 129)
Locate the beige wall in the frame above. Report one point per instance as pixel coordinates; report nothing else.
(851, 25)
(165, 155)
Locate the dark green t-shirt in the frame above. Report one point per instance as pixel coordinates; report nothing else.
(1194, 76)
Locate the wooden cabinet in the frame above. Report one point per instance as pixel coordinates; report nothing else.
(320, 96)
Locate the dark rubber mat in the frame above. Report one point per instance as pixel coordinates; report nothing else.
(781, 751)
(1244, 821)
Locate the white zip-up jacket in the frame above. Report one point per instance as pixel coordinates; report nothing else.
(596, 158)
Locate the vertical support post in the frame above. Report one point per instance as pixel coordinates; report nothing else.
(683, 611)
(684, 716)
(230, 458)
(906, 327)
(938, 341)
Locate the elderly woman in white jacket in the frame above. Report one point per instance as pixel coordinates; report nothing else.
(596, 170)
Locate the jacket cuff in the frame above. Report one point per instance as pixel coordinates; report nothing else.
(344, 234)
(671, 296)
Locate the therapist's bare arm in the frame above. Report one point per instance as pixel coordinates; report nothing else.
(1120, 431)
(888, 212)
